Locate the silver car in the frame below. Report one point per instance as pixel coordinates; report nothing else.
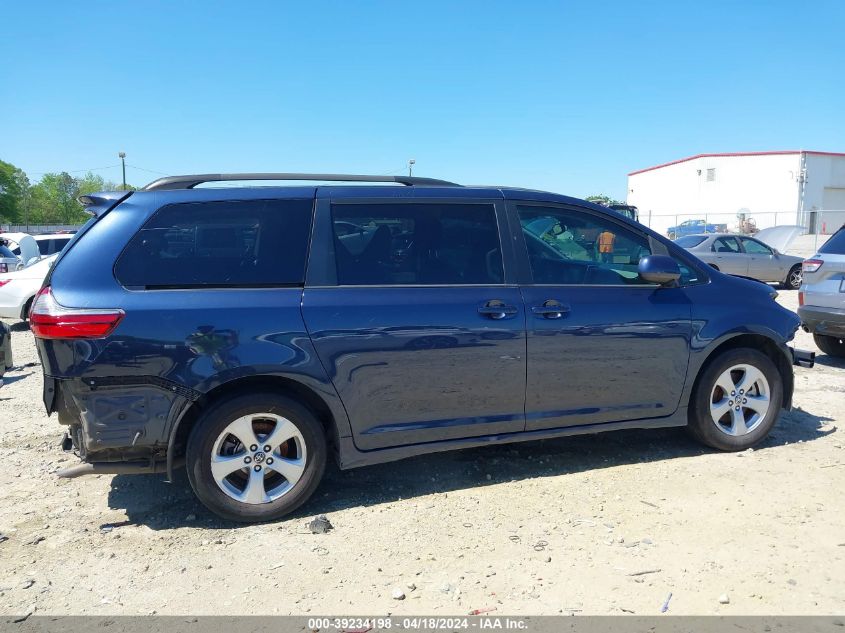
(822, 297)
(744, 256)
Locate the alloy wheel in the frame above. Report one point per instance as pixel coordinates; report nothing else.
(258, 458)
(795, 278)
(739, 400)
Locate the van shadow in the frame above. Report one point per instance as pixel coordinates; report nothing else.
(830, 361)
(149, 500)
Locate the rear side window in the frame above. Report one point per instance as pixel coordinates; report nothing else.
(5, 252)
(416, 244)
(690, 241)
(836, 244)
(250, 243)
(726, 245)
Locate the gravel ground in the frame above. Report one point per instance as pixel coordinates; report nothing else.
(605, 524)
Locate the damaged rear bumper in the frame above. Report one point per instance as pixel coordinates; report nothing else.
(116, 425)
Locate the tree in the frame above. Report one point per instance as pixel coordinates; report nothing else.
(11, 192)
(602, 199)
(54, 200)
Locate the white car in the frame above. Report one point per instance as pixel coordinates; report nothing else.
(18, 288)
(18, 251)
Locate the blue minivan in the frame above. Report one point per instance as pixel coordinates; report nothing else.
(246, 332)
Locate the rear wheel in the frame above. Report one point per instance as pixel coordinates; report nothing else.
(25, 309)
(256, 457)
(794, 278)
(832, 345)
(736, 400)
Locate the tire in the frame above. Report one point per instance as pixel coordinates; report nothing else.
(25, 309)
(671, 236)
(831, 345)
(265, 494)
(729, 434)
(793, 278)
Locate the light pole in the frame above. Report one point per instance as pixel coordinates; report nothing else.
(411, 164)
(123, 164)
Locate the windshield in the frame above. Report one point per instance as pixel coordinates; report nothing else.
(836, 244)
(5, 252)
(690, 241)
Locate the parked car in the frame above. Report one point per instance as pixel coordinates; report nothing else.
(629, 211)
(822, 296)
(52, 243)
(18, 289)
(252, 358)
(693, 227)
(747, 256)
(8, 260)
(6, 361)
(24, 250)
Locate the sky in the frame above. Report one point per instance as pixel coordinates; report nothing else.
(563, 96)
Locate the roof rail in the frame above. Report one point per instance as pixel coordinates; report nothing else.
(189, 182)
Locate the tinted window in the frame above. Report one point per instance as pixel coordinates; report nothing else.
(836, 244)
(416, 244)
(726, 245)
(220, 244)
(570, 247)
(754, 247)
(690, 241)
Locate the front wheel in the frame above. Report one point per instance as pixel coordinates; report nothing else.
(794, 278)
(736, 400)
(832, 345)
(256, 457)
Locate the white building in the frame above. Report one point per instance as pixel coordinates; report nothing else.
(782, 187)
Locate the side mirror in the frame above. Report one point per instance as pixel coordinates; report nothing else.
(659, 269)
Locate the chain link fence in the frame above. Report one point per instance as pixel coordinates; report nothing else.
(38, 229)
(819, 225)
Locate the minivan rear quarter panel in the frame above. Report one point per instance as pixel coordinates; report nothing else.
(175, 345)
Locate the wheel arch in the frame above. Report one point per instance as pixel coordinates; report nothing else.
(760, 342)
(283, 385)
(25, 308)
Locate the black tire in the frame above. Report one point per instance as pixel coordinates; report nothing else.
(702, 426)
(793, 278)
(25, 310)
(213, 423)
(830, 345)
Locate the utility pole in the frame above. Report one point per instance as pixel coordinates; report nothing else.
(123, 164)
(411, 164)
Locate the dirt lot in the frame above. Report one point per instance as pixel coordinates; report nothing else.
(596, 524)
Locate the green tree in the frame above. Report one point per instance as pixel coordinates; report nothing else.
(54, 200)
(11, 192)
(602, 199)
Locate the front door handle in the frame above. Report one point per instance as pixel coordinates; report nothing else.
(551, 309)
(497, 310)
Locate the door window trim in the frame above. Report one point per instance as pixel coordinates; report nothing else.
(321, 267)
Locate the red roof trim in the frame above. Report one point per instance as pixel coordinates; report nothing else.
(774, 153)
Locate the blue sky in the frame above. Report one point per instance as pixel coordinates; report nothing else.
(565, 96)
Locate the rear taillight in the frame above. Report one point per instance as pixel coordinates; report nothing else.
(812, 265)
(4, 267)
(3, 282)
(800, 297)
(48, 319)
